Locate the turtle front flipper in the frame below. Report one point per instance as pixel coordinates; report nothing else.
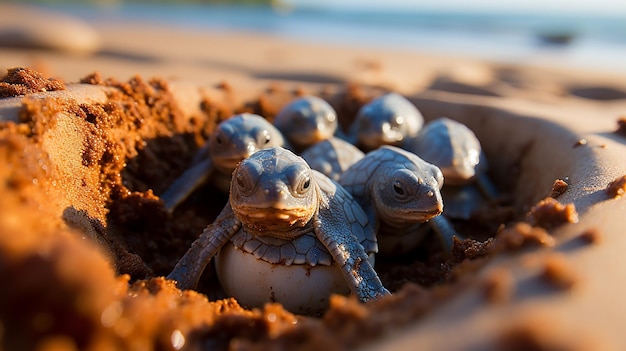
(446, 233)
(190, 267)
(486, 187)
(342, 227)
(186, 184)
(202, 154)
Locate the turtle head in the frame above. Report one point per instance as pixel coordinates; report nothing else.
(387, 120)
(306, 121)
(273, 193)
(239, 137)
(407, 192)
(451, 146)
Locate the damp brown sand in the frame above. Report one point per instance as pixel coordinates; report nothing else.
(22, 81)
(131, 147)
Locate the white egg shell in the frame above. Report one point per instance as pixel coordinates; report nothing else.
(299, 288)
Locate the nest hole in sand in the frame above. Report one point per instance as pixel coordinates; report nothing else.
(110, 158)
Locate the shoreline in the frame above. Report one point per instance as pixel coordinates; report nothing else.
(121, 49)
(211, 57)
(594, 41)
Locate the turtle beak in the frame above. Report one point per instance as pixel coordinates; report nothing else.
(276, 196)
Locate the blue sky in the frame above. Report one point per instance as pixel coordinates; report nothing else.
(559, 6)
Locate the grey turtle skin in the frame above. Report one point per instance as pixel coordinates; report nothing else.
(332, 157)
(455, 149)
(387, 120)
(282, 214)
(306, 121)
(234, 139)
(452, 146)
(309, 123)
(399, 192)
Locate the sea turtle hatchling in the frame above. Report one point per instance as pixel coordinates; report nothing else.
(450, 145)
(306, 121)
(288, 234)
(309, 124)
(232, 140)
(399, 192)
(389, 119)
(455, 149)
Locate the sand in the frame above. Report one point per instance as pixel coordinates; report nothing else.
(84, 165)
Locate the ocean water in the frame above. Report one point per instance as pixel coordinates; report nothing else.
(593, 41)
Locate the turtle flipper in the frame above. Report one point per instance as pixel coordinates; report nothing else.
(486, 186)
(445, 232)
(189, 268)
(184, 185)
(339, 224)
(202, 154)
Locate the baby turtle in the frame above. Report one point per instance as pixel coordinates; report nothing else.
(452, 146)
(399, 192)
(309, 123)
(288, 234)
(387, 120)
(306, 121)
(332, 157)
(455, 149)
(234, 139)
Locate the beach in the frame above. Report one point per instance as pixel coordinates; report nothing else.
(204, 54)
(150, 90)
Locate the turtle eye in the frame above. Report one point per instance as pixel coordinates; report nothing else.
(404, 185)
(300, 179)
(220, 137)
(306, 184)
(241, 180)
(303, 185)
(244, 182)
(401, 190)
(246, 176)
(397, 188)
(264, 137)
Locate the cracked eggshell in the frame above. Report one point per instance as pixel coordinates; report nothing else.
(299, 288)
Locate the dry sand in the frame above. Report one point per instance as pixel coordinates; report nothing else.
(148, 49)
(554, 297)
